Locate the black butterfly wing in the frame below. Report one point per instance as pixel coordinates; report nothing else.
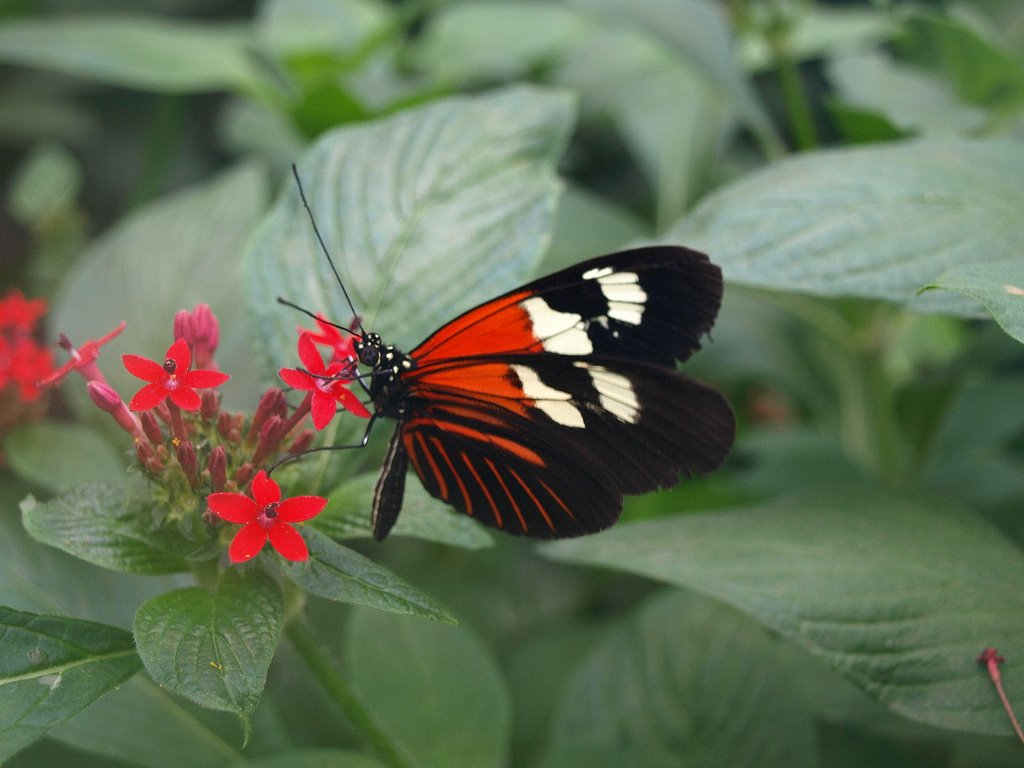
(536, 411)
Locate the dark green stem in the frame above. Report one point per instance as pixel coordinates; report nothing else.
(795, 98)
(324, 669)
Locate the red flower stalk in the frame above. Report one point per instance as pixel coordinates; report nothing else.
(328, 385)
(82, 359)
(991, 659)
(200, 330)
(265, 517)
(107, 398)
(173, 380)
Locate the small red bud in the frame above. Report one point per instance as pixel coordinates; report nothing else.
(302, 441)
(224, 424)
(217, 465)
(107, 398)
(270, 435)
(244, 474)
(151, 428)
(189, 464)
(271, 403)
(211, 404)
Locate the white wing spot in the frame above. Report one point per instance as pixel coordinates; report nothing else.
(551, 401)
(625, 296)
(597, 272)
(564, 333)
(615, 391)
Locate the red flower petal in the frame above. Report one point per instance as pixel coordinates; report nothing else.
(351, 402)
(233, 507)
(288, 542)
(297, 379)
(310, 355)
(264, 489)
(186, 399)
(181, 355)
(322, 408)
(202, 379)
(145, 369)
(247, 542)
(299, 508)
(148, 397)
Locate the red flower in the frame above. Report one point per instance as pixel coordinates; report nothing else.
(328, 385)
(173, 379)
(22, 363)
(265, 517)
(82, 358)
(19, 313)
(341, 344)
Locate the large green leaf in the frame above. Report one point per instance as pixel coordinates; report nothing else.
(900, 595)
(685, 682)
(58, 455)
(106, 524)
(314, 758)
(139, 724)
(150, 54)
(172, 254)
(433, 689)
(342, 574)
(347, 516)
(425, 213)
(999, 285)
(878, 222)
(51, 668)
(214, 646)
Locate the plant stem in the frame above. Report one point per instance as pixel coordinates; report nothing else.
(324, 669)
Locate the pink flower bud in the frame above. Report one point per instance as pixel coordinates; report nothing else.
(224, 424)
(272, 403)
(189, 464)
(270, 435)
(211, 404)
(245, 474)
(106, 397)
(301, 442)
(200, 330)
(151, 427)
(217, 465)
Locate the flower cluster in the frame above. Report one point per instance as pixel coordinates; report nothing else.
(23, 361)
(202, 457)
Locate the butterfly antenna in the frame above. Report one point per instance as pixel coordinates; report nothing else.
(323, 247)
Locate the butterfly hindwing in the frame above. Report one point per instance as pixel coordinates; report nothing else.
(550, 450)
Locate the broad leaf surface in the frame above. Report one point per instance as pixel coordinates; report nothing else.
(152, 730)
(878, 222)
(425, 213)
(51, 668)
(434, 689)
(900, 595)
(347, 515)
(999, 285)
(58, 455)
(686, 681)
(180, 251)
(314, 758)
(213, 646)
(106, 524)
(147, 54)
(341, 574)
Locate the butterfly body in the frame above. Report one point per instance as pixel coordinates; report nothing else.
(536, 411)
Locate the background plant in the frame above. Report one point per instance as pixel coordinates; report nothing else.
(857, 171)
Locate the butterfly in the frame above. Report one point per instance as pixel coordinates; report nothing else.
(536, 411)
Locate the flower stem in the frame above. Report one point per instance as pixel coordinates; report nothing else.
(324, 669)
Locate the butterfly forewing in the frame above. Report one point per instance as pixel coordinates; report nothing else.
(536, 411)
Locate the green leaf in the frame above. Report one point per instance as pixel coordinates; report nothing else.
(900, 595)
(58, 455)
(433, 689)
(347, 516)
(148, 54)
(51, 668)
(425, 213)
(685, 682)
(911, 99)
(338, 573)
(589, 225)
(105, 524)
(184, 249)
(314, 758)
(296, 27)
(876, 222)
(214, 646)
(46, 185)
(999, 285)
(979, 70)
(152, 730)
